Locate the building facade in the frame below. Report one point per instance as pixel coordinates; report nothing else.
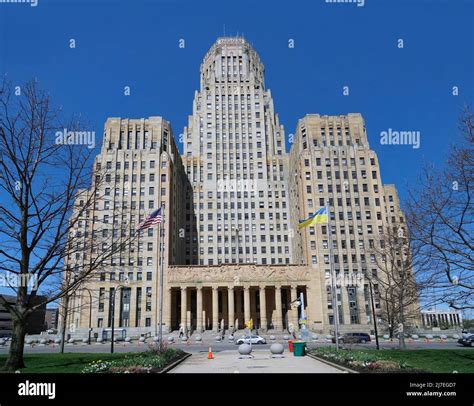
(51, 319)
(233, 251)
(441, 319)
(235, 158)
(331, 164)
(138, 170)
(35, 323)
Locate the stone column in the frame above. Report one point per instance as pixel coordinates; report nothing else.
(294, 309)
(199, 326)
(246, 304)
(225, 308)
(188, 319)
(263, 308)
(239, 306)
(230, 304)
(184, 306)
(346, 314)
(167, 311)
(133, 306)
(278, 318)
(361, 305)
(215, 310)
(310, 310)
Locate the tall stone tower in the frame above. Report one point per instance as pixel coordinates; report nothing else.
(331, 162)
(235, 158)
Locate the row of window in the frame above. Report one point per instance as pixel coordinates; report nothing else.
(134, 178)
(335, 161)
(249, 260)
(347, 188)
(131, 276)
(126, 165)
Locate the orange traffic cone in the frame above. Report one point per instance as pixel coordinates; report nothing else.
(209, 354)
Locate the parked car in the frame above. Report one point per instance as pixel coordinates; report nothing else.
(251, 340)
(467, 341)
(353, 338)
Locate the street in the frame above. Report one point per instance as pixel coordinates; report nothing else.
(224, 346)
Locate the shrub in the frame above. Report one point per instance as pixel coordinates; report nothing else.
(144, 362)
(359, 360)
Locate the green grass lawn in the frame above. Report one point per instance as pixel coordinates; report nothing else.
(61, 363)
(433, 360)
(439, 361)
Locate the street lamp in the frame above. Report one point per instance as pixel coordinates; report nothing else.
(374, 315)
(297, 303)
(90, 314)
(112, 310)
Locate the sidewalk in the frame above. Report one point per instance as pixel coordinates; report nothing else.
(229, 362)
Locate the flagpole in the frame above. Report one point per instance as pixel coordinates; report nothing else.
(333, 279)
(157, 287)
(160, 321)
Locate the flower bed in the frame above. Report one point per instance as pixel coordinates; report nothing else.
(363, 361)
(152, 361)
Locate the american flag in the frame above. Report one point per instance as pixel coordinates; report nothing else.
(154, 218)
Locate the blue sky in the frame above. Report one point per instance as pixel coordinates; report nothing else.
(135, 43)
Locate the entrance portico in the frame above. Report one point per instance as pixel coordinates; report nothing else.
(207, 298)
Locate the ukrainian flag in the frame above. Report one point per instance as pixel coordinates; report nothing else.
(320, 217)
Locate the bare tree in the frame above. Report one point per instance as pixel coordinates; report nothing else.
(441, 217)
(396, 286)
(46, 193)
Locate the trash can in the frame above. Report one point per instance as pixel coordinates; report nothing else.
(290, 345)
(299, 348)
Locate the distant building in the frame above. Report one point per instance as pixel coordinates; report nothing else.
(51, 319)
(441, 318)
(35, 324)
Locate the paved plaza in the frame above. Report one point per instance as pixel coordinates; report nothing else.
(262, 362)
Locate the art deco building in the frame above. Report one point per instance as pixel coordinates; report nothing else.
(233, 251)
(234, 154)
(331, 164)
(138, 169)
